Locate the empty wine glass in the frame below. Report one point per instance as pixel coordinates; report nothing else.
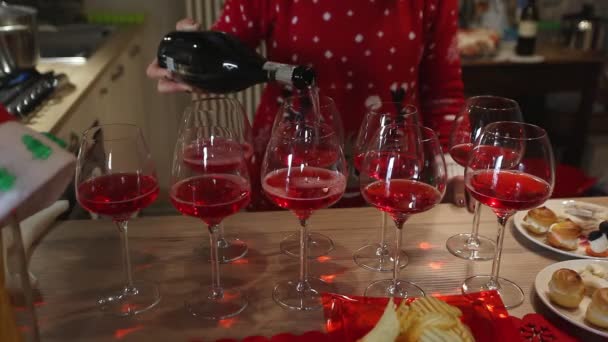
(115, 177)
(303, 170)
(402, 173)
(378, 256)
(227, 114)
(211, 187)
(478, 112)
(324, 110)
(506, 185)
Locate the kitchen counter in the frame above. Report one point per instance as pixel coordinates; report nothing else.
(60, 106)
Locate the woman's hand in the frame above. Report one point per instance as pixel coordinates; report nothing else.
(165, 83)
(455, 192)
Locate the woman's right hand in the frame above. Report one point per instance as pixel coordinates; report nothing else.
(166, 84)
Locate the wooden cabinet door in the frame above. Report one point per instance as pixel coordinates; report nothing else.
(124, 102)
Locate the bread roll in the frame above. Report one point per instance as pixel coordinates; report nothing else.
(566, 288)
(564, 235)
(597, 311)
(538, 220)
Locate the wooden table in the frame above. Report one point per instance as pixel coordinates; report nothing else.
(79, 260)
(562, 70)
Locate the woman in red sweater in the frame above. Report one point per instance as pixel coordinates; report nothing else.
(363, 52)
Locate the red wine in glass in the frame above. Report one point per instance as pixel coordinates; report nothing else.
(485, 155)
(508, 190)
(460, 153)
(118, 195)
(401, 196)
(211, 197)
(304, 189)
(217, 156)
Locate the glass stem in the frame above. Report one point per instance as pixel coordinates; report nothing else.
(473, 240)
(126, 257)
(397, 253)
(502, 222)
(214, 231)
(222, 243)
(303, 255)
(382, 242)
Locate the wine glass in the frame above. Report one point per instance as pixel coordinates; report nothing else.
(378, 256)
(324, 110)
(493, 180)
(227, 113)
(478, 112)
(115, 177)
(402, 173)
(303, 170)
(215, 186)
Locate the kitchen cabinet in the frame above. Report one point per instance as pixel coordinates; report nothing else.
(114, 97)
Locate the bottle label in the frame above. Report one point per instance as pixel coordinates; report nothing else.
(279, 72)
(528, 28)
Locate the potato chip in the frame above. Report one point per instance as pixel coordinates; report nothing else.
(426, 319)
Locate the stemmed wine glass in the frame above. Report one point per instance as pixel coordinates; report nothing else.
(226, 113)
(494, 180)
(324, 110)
(478, 112)
(378, 256)
(214, 187)
(303, 170)
(402, 173)
(115, 177)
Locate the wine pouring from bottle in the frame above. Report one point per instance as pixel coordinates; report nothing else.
(217, 62)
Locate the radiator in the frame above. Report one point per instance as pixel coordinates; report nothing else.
(206, 12)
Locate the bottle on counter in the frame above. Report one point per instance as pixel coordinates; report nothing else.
(217, 62)
(528, 28)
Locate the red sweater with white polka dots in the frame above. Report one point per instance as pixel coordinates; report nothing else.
(360, 49)
(362, 52)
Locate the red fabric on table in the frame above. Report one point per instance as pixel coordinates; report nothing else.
(350, 318)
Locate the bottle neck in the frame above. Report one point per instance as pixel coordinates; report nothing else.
(298, 76)
(279, 72)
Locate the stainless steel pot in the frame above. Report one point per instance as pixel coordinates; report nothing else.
(18, 38)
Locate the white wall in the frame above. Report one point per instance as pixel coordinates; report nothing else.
(162, 111)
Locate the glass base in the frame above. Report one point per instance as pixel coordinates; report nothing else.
(303, 297)
(511, 294)
(386, 288)
(131, 301)
(374, 258)
(318, 245)
(458, 245)
(229, 249)
(204, 305)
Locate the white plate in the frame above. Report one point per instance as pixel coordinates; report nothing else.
(557, 207)
(577, 316)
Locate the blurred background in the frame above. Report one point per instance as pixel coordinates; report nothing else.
(96, 52)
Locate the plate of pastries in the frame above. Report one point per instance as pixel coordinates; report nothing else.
(577, 290)
(568, 227)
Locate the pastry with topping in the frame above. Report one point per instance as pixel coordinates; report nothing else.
(597, 311)
(538, 220)
(566, 288)
(564, 235)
